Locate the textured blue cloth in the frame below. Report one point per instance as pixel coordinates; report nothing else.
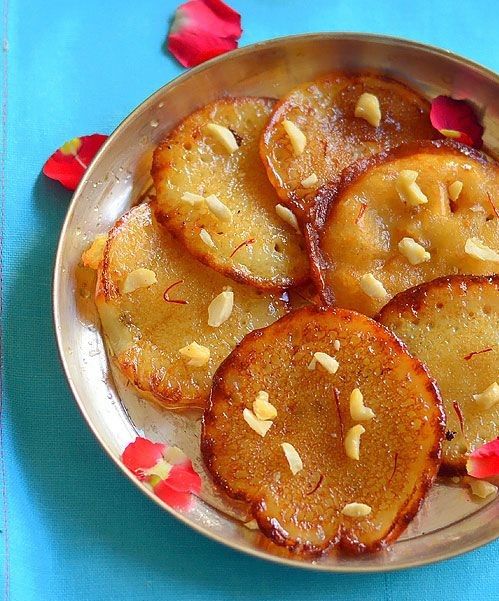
(72, 526)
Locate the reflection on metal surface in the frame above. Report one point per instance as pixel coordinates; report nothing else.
(449, 522)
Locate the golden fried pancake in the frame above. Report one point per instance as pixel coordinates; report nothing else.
(371, 239)
(324, 110)
(209, 177)
(302, 480)
(153, 301)
(452, 325)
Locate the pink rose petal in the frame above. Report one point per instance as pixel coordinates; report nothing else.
(203, 29)
(484, 461)
(172, 497)
(456, 119)
(142, 454)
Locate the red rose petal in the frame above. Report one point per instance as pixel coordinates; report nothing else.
(203, 29)
(456, 119)
(183, 478)
(68, 164)
(172, 497)
(142, 454)
(484, 461)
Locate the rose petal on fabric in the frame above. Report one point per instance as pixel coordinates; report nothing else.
(142, 454)
(172, 497)
(456, 119)
(68, 163)
(183, 478)
(203, 29)
(484, 461)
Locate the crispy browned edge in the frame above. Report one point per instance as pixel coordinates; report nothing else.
(282, 105)
(329, 196)
(270, 285)
(343, 539)
(411, 300)
(106, 291)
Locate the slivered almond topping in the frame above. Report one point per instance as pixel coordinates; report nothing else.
(368, 108)
(288, 216)
(454, 190)
(197, 354)
(478, 250)
(261, 427)
(296, 136)
(414, 252)
(224, 136)
(206, 238)
(192, 199)
(336, 345)
(489, 397)
(262, 408)
(309, 181)
(358, 410)
(138, 278)
(218, 208)
(294, 460)
(220, 308)
(372, 286)
(328, 363)
(352, 441)
(356, 510)
(95, 252)
(480, 488)
(408, 189)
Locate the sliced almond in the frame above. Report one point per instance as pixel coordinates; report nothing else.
(296, 137)
(192, 199)
(489, 397)
(330, 364)
(478, 250)
(262, 408)
(336, 345)
(92, 257)
(224, 136)
(358, 411)
(408, 189)
(480, 488)
(288, 216)
(220, 308)
(454, 190)
(356, 510)
(414, 252)
(372, 286)
(206, 238)
(309, 181)
(218, 208)
(352, 441)
(197, 354)
(161, 470)
(294, 460)
(138, 278)
(175, 456)
(261, 427)
(368, 108)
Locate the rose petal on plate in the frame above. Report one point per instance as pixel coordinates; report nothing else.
(203, 29)
(142, 454)
(456, 119)
(69, 162)
(183, 478)
(484, 461)
(172, 497)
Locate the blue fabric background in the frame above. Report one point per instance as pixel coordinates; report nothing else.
(72, 526)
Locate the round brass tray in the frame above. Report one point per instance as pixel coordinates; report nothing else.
(450, 522)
